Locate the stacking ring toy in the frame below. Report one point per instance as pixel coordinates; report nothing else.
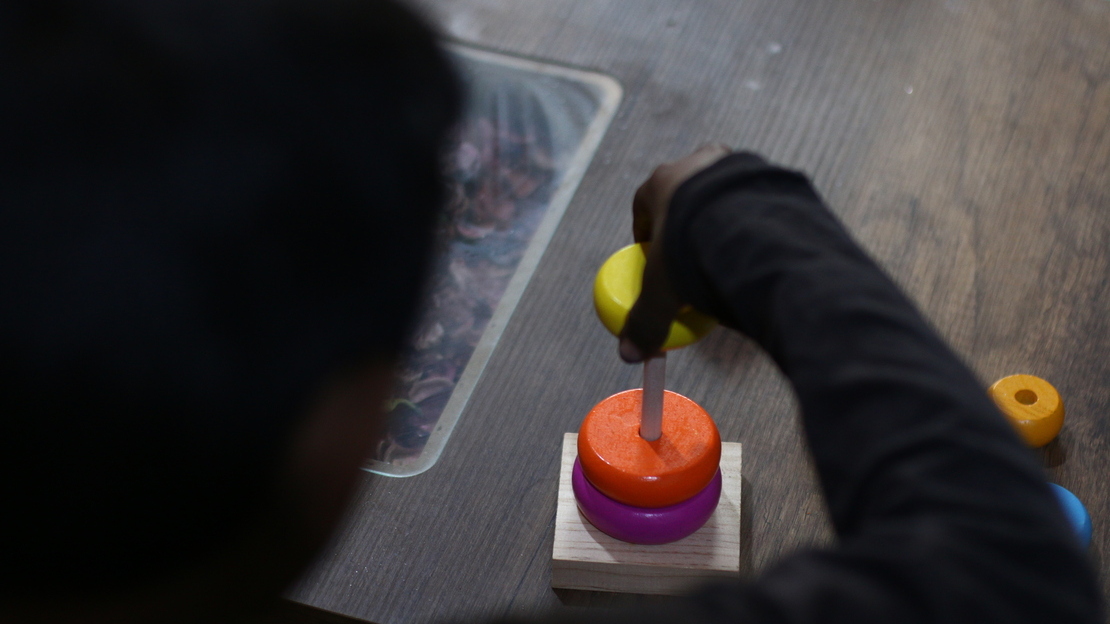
(640, 525)
(1076, 513)
(1031, 405)
(617, 287)
(631, 470)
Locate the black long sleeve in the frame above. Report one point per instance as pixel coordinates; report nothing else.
(942, 515)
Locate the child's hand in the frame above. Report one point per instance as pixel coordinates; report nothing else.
(650, 318)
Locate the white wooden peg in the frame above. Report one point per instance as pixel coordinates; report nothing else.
(651, 409)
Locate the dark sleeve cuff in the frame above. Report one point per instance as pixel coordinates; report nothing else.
(689, 201)
(778, 216)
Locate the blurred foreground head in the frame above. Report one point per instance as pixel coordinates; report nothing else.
(209, 211)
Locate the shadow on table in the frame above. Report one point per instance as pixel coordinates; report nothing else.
(290, 612)
(1053, 454)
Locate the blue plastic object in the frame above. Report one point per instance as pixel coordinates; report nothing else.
(1075, 511)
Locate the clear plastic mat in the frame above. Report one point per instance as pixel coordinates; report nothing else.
(529, 132)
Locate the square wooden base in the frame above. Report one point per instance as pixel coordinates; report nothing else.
(585, 558)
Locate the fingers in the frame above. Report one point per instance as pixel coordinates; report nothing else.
(705, 155)
(650, 319)
(649, 205)
(643, 213)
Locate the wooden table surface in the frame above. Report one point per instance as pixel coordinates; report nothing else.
(965, 143)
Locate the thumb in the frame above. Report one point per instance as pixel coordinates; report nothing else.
(649, 320)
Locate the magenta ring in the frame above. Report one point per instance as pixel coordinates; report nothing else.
(644, 525)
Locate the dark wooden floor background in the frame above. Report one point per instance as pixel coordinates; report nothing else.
(965, 142)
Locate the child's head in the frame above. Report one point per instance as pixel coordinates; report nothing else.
(209, 210)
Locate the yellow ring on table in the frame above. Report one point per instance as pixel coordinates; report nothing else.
(1031, 405)
(617, 287)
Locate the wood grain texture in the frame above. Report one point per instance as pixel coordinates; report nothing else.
(967, 146)
(584, 558)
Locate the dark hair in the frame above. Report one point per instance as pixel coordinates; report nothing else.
(206, 207)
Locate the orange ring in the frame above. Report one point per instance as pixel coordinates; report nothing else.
(631, 470)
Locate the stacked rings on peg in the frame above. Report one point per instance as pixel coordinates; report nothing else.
(647, 492)
(1032, 406)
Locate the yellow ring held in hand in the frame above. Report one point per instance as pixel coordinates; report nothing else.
(1031, 405)
(617, 287)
